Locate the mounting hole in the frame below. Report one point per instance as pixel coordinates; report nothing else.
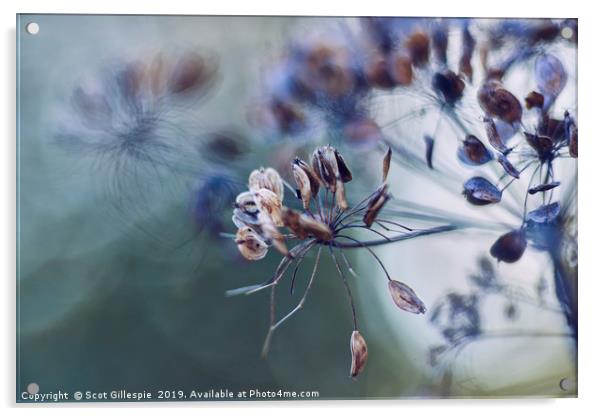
(32, 28)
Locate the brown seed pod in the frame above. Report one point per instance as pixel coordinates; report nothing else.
(387, 164)
(330, 166)
(401, 70)
(303, 185)
(266, 178)
(418, 46)
(534, 100)
(405, 298)
(315, 227)
(497, 101)
(292, 220)
(341, 200)
(509, 247)
(377, 202)
(359, 353)
(268, 203)
(449, 85)
(473, 152)
(250, 244)
(271, 233)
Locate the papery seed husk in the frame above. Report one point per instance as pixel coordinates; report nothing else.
(315, 227)
(325, 165)
(269, 203)
(377, 202)
(387, 164)
(250, 244)
(499, 102)
(341, 200)
(479, 191)
(292, 220)
(405, 298)
(344, 172)
(271, 233)
(359, 353)
(493, 136)
(509, 247)
(314, 180)
(267, 178)
(303, 185)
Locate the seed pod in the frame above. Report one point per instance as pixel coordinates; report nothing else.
(401, 70)
(509, 247)
(430, 145)
(545, 214)
(440, 40)
(245, 210)
(543, 187)
(534, 99)
(493, 135)
(418, 46)
(266, 178)
(271, 233)
(387, 164)
(573, 146)
(405, 298)
(328, 163)
(508, 167)
(497, 101)
(315, 227)
(341, 200)
(377, 202)
(250, 244)
(479, 191)
(449, 85)
(468, 45)
(311, 175)
(359, 353)
(306, 180)
(550, 75)
(543, 145)
(292, 220)
(473, 152)
(269, 203)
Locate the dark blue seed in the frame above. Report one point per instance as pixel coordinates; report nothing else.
(479, 191)
(545, 213)
(430, 144)
(509, 247)
(543, 187)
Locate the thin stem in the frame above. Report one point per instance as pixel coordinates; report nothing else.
(347, 288)
(408, 236)
(371, 252)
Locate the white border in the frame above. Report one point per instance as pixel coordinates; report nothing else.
(590, 293)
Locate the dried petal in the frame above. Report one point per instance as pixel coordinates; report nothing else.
(250, 244)
(268, 203)
(509, 247)
(377, 202)
(359, 353)
(418, 46)
(312, 176)
(473, 152)
(545, 213)
(497, 101)
(479, 191)
(405, 298)
(266, 178)
(449, 85)
(550, 75)
(508, 167)
(387, 164)
(430, 144)
(543, 187)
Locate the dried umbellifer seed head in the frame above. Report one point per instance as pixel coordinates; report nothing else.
(479, 191)
(359, 353)
(501, 103)
(269, 203)
(250, 244)
(543, 145)
(330, 166)
(509, 247)
(266, 178)
(377, 202)
(405, 298)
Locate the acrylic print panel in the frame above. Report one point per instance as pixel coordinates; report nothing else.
(270, 208)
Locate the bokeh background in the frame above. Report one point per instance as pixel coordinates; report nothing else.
(105, 305)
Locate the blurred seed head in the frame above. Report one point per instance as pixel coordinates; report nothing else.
(479, 191)
(510, 247)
